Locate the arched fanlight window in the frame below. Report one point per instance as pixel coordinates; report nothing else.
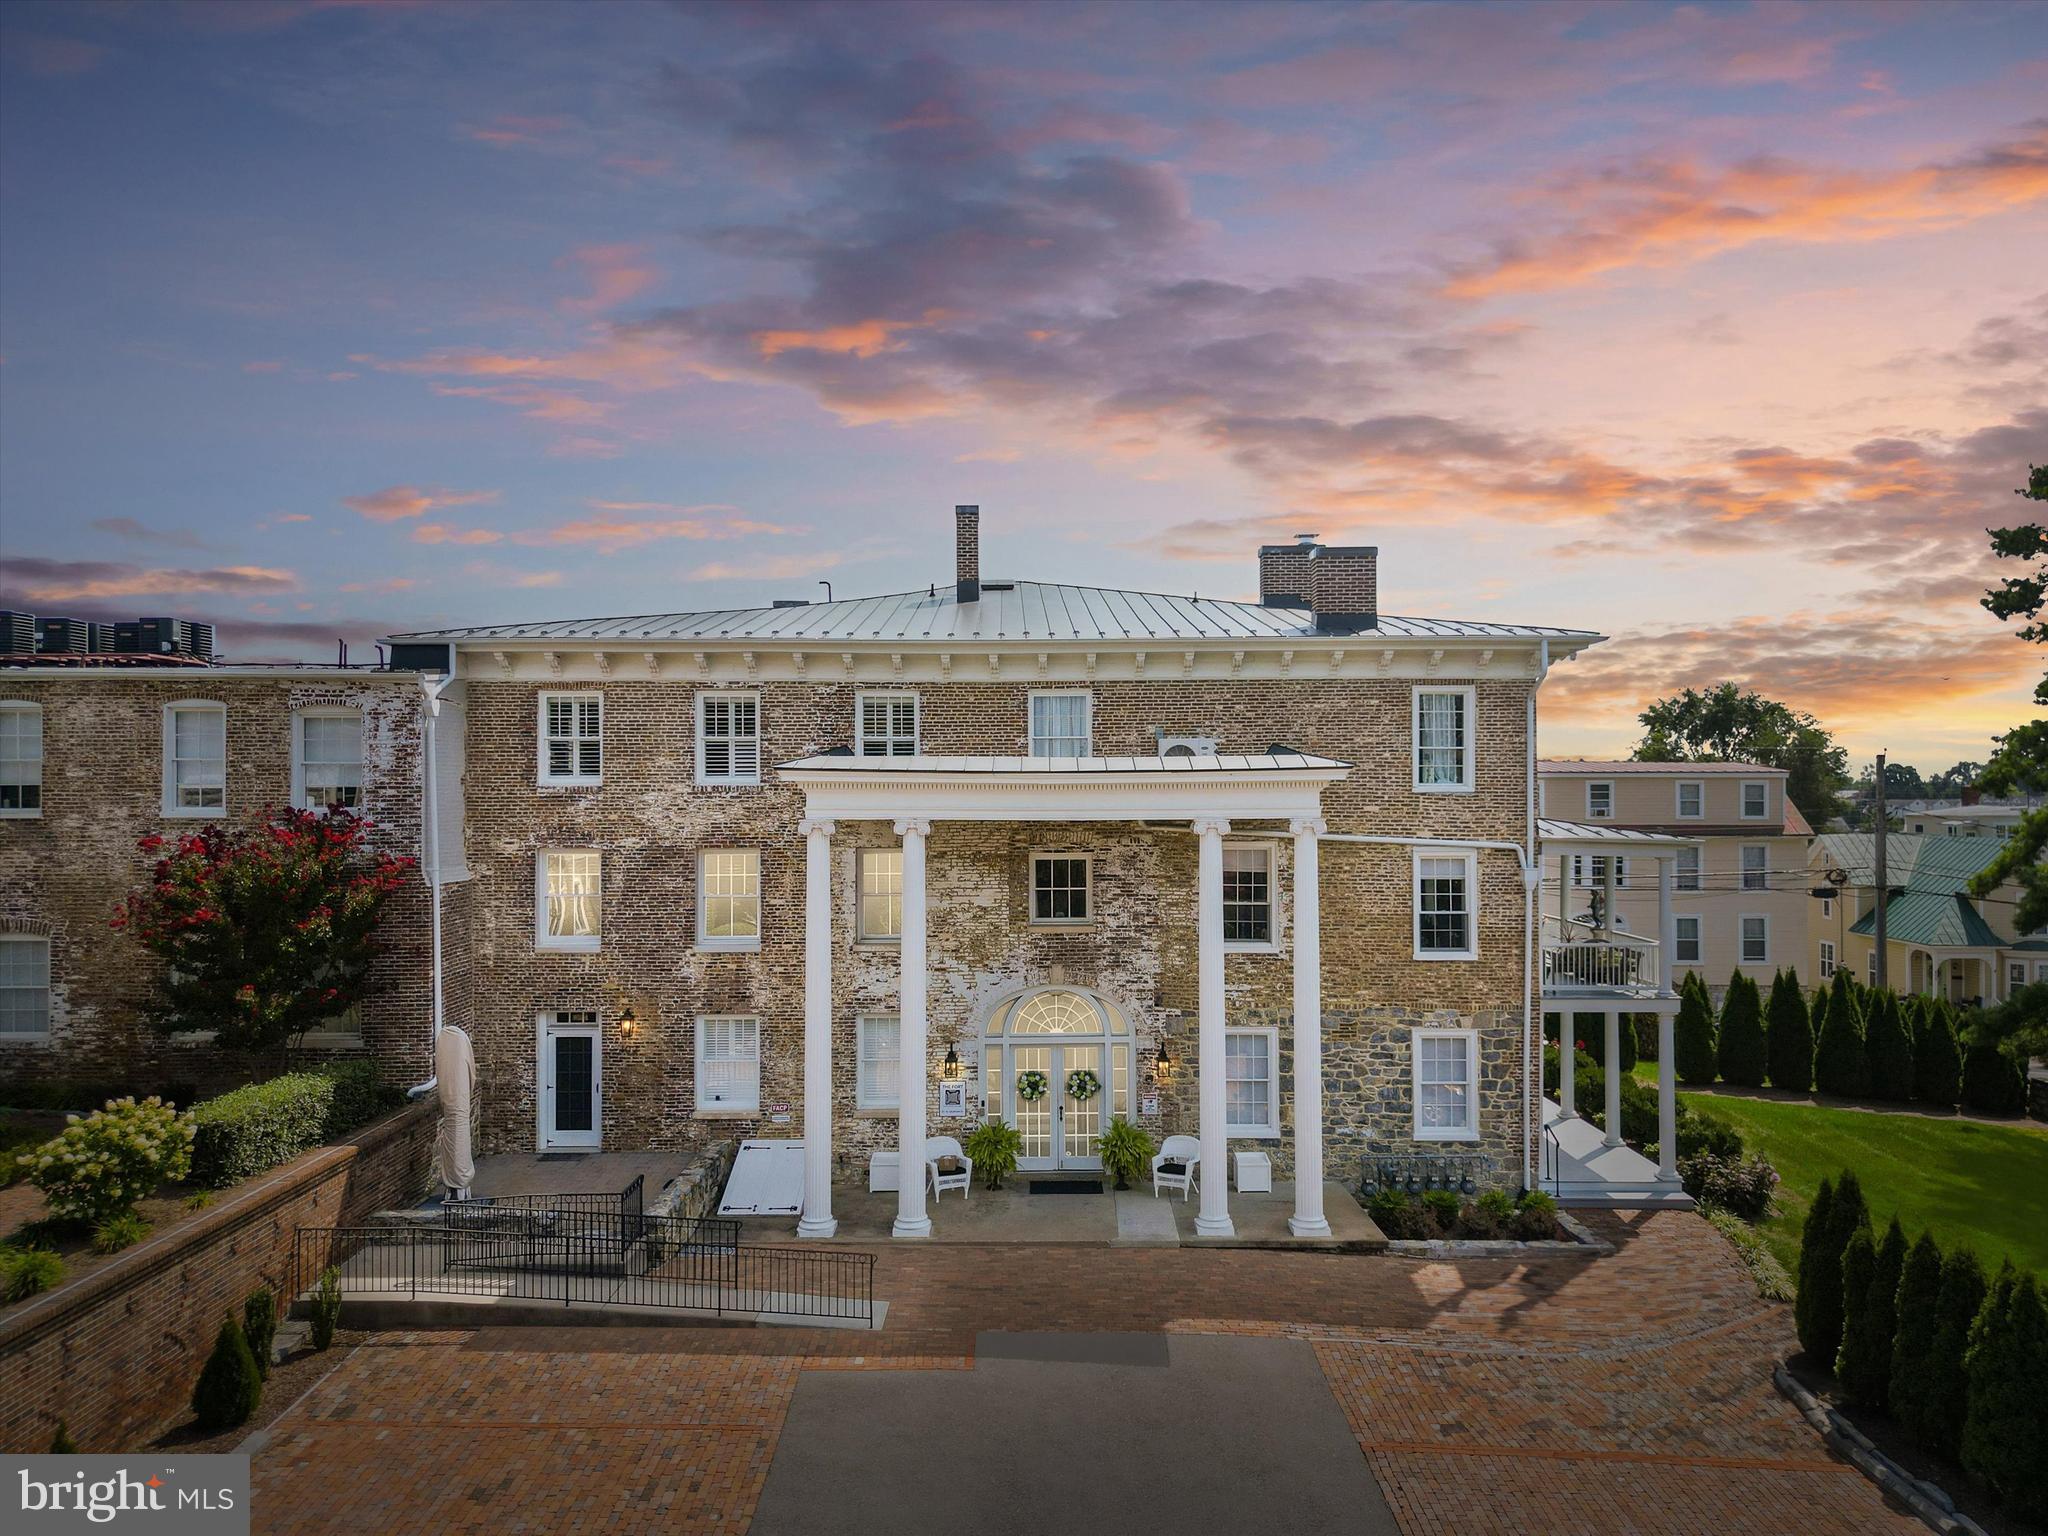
(1057, 1011)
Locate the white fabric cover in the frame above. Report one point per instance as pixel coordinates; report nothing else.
(455, 1070)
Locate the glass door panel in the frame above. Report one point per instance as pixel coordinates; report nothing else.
(1081, 1146)
(1034, 1119)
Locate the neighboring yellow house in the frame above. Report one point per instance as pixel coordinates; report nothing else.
(1938, 938)
(1740, 896)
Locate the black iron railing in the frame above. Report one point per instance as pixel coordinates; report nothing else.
(586, 1254)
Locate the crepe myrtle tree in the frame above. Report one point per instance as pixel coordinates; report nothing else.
(265, 932)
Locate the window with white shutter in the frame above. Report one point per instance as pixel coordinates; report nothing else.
(887, 724)
(571, 738)
(728, 738)
(728, 1063)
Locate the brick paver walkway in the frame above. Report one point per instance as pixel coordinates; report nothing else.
(1628, 1395)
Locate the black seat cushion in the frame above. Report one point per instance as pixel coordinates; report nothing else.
(1176, 1169)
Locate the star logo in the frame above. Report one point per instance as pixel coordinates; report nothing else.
(155, 1481)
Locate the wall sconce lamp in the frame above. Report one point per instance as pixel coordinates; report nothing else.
(952, 1066)
(1162, 1064)
(628, 1022)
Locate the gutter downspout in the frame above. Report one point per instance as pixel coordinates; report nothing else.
(1532, 882)
(430, 824)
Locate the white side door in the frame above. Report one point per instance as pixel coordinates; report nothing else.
(572, 1083)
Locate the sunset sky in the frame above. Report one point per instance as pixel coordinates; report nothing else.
(1722, 329)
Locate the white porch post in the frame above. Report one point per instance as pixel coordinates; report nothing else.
(911, 1220)
(1214, 1219)
(817, 1218)
(1567, 1066)
(1308, 1219)
(1667, 1071)
(1613, 1078)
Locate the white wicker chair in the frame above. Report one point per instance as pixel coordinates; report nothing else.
(1177, 1166)
(962, 1179)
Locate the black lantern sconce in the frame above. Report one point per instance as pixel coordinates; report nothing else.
(1162, 1064)
(629, 1023)
(952, 1066)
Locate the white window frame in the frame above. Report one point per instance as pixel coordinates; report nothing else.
(1742, 956)
(170, 733)
(1678, 941)
(2041, 970)
(341, 1031)
(888, 740)
(1742, 870)
(736, 1105)
(1827, 908)
(1466, 781)
(883, 1096)
(568, 1021)
(1031, 736)
(1271, 943)
(1680, 869)
(1269, 1130)
(299, 719)
(1589, 874)
(861, 933)
(1743, 804)
(577, 943)
(729, 696)
(1468, 1132)
(2015, 976)
(1593, 784)
(42, 941)
(575, 738)
(726, 942)
(25, 709)
(1470, 859)
(1699, 812)
(1087, 862)
(1828, 964)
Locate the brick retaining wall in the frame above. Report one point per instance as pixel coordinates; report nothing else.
(115, 1352)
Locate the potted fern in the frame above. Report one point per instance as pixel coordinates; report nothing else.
(1126, 1151)
(993, 1145)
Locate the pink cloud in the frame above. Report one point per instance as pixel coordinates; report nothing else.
(395, 502)
(441, 533)
(617, 274)
(57, 581)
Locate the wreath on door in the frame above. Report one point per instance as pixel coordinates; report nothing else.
(1082, 1085)
(1031, 1087)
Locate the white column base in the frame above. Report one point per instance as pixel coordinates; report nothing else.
(820, 1228)
(1320, 1227)
(904, 1227)
(1215, 1226)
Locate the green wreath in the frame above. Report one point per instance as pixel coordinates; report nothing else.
(1031, 1087)
(1082, 1085)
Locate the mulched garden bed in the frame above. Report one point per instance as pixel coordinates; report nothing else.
(290, 1379)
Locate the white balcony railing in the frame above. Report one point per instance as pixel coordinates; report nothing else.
(1580, 958)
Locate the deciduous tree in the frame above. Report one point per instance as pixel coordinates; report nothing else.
(1725, 724)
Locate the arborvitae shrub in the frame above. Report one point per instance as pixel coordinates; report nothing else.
(1992, 1082)
(1963, 1288)
(259, 1326)
(1870, 1319)
(1695, 1044)
(2005, 1435)
(1919, 1298)
(1812, 1242)
(1741, 1052)
(1592, 1028)
(1838, 1065)
(1937, 1060)
(1887, 1052)
(1859, 1263)
(1788, 1035)
(229, 1387)
(1820, 1268)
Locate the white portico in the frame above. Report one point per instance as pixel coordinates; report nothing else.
(1207, 795)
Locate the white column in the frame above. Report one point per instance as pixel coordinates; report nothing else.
(1308, 1219)
(911, 1220)
(817, 1218)
(1567, 1068)
(1613, 1078)
(1667, 926)
(1667, 1098)
(1214, 1220)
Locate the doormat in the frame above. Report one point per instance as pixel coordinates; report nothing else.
(561, 1157)
(1065, 1187)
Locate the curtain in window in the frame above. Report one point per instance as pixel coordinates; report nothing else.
(333, 759)
(573, 895)
(1059, 725)
(1440, 738)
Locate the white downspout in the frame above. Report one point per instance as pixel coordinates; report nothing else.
(1532, 879)
(430, 824)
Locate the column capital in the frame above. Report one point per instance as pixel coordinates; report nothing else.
(921, 825)
(1204, 826)
(1308, 826)
(817, 826)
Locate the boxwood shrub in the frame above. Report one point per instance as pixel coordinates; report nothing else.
(259, 1126)
(359, 1096)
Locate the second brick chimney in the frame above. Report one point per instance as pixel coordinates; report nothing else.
(1344, 587)
(967, 553)
(1283, 573)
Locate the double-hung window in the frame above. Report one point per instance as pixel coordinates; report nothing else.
(1248, 895)
(572, 738)
(1827, 959)
(728, 1063)
(728, 738)
(1756, 867)
(195, 759)
(1060, 724)
(887, 724)
(1600, 801)
(1060, 890)
(2015, 976)
(1443, 739)
(1686, 874)
(1692, 799)
(1592, 870)
(21, 759)
(568, 895)
(1756, 799)
(328, 759)
(1756, 940)
(1688, 940)
(1446, 1084)
(729, 898)
(24, 986)
(879, 872)
(1446, 905)
(880, 1046)
(1251, 1098)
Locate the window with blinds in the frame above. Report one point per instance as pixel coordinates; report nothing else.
(728, 1062)
(728, 738)
(195, 759)
(571, 738)
(880, 1060)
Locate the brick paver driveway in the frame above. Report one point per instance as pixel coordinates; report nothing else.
(1630, 1395)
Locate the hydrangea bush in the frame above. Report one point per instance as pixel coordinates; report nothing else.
(101, 1164)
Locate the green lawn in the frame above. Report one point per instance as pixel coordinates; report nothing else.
(1985, 1185)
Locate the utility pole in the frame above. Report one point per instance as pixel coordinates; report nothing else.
(1884, 886)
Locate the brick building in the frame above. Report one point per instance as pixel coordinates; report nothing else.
(858, 870)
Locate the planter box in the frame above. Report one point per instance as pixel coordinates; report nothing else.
(883, 1171)
(1253, 1172)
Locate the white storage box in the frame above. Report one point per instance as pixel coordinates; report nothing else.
(882, 1171)
(1254, 1172)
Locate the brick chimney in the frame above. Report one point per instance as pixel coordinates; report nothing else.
(1972, 795)
(1283, 573)
(967, 553)
(1344, 587)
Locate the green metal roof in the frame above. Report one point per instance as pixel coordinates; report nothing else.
(1936, 919)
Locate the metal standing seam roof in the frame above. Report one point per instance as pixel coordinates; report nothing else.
(1566, 766)
(1264, 762)
(1937, 919)
(1022, 610)
(1551, 830)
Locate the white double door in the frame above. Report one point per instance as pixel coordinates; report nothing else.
(1058, 1130)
